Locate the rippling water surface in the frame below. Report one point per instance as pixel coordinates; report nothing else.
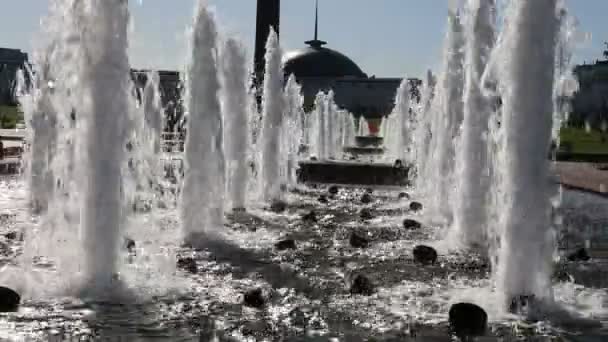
(153, 300)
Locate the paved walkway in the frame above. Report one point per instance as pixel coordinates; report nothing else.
(583, 176)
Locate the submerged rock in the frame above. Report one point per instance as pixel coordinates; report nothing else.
(358, 241)
(425, 255)
(187, 264)
(359, 284)
(278, 206)
(415, 206)
(521, 304)
(404, 195)
(366, 214)
(467, 320)
(13, 236)
(254, 298)
(9, 300)
(366, 198)
(398, 163)
(411, 224)
(239, 210)
(579, 255)
(323, 199)
(310, 217)
(129, 245)
(333, 190)
(285, 244)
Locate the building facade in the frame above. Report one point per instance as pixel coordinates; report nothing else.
(11, 60)
(590, 102)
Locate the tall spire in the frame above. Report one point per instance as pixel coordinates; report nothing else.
(316, 43)
(316, 20)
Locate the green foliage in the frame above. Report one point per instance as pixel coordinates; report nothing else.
(579, 140)
(10, 116)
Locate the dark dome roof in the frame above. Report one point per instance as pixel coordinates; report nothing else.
(317, 61)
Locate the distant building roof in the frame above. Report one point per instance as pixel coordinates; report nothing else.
(317, 61)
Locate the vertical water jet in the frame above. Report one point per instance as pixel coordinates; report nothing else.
(102, 117)
(526, 81)
(202, 204)
(472, 160)
(273, 103)
(235, 106)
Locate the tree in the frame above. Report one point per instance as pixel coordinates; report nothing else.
(606, 51)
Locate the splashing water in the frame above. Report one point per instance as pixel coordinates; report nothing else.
(202, 204)
(273, 103)
(472, 160)
(446, 118)
(399, 125)
(235, 105)
(526, 241)
(294, 126)
(101, 115)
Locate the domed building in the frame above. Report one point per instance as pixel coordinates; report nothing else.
(318, 68)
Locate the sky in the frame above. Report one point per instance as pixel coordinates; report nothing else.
(386, 38)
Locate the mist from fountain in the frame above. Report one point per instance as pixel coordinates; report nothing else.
(102, 114)
(202, 197)
(446, 117)
(422, 131)
(527, 239)
(294, 126)
(34, 91)
(272, 121)
(317, 119)
(399, 125)
(235, 106)
(153, 112)
(472, 161)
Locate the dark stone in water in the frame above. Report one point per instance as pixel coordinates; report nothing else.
(366, 198)
(411, 224)
(313, 158)
(323, 199)
(404, 195)
(254, 298)
(239, 210)
(425, 254)
(561, 275)
(369, 191)
(9, 300)
(415, 206)
(398, 163)
(333, 190)
(366, 214)
(467, 320)
(129, 244)
(358, 241)
(278, 206)
(310, 217)
(12, 235)
(187, 264)
(361, 285)
(520, 304)
(580, 255)
(285, 244)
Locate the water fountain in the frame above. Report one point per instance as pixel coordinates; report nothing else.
(294, 130)
(273, 105)
(235, 106)
(472, 160)
(446, 117)
(399, 123)
(526, 241)
(307, 302)
(204, 151)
